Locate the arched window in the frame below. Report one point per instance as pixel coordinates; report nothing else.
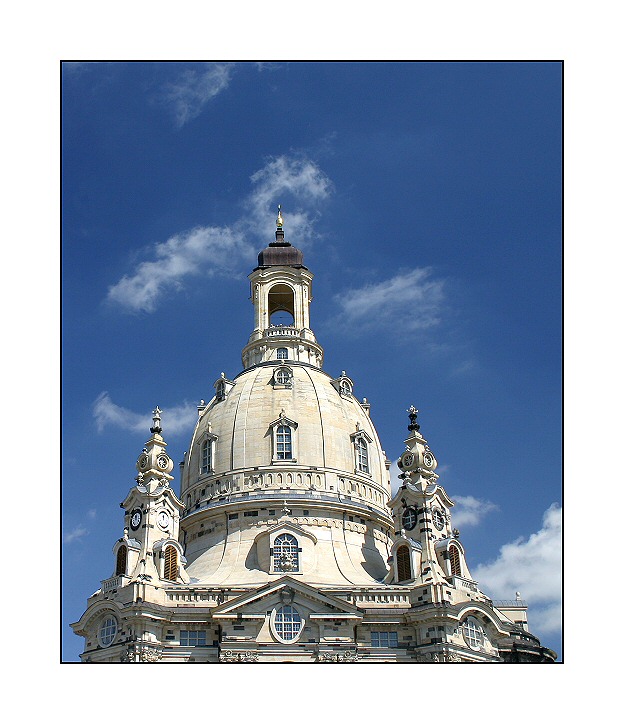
(282, 353)
(171, 563)
(220, 391)
(206, 456)
(361, 454)
(345, 388)
(282, 377)
(283, 442)
(404, 568)
(455, 561)
(122, 561)
(287, 623)
(286, 553)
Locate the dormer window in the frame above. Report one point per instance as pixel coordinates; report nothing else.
(205, 452)
(284, 439)
(344, 385)
(206, 456)
(286, 554)
(283, 377)
(284, 443)
(282, 353)
(222, 387)
(361, 442)
(361, 455)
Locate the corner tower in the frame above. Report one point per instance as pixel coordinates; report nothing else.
(281, 292)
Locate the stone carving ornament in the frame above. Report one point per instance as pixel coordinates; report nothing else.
(236, 657)
(339, 657)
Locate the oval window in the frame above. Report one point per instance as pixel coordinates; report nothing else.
(286, 624)
(108, 631)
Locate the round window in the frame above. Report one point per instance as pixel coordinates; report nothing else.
(472, 632)
(108, 631)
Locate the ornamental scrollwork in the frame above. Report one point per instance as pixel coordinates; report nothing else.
(339, 657)
(236, 657)
(150, 655)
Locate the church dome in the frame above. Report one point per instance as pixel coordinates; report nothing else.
(324, 418)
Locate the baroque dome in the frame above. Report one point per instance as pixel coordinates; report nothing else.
(326, 421)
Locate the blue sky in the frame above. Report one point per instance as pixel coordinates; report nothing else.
(427, 200)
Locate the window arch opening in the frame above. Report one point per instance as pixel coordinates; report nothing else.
(122, 561)
(404, 567)
(281, 306)
(171, 563)
(455, 561)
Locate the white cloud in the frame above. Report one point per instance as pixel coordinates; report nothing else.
(469, 511)
(533, 568)
(203, 251)
(178, 419)
(411, 300)
(291, 177)
(76, 534)
(227, 251)
(194, 88)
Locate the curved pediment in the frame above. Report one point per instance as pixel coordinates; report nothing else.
(288, 527)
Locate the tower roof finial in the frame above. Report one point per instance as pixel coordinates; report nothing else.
(157, 429)
(279, 221)
(413, 413)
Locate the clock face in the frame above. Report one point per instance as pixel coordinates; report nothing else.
(135, 519)
(163, 519)
(162, 461)
(438, 518)
(143, 461)
(428, 460)
(408, 461)
(409, 519)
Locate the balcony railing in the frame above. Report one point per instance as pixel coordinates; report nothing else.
(115, 582)
(281, 330)
(460, 582)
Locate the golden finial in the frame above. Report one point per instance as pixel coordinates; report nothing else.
(279, 221)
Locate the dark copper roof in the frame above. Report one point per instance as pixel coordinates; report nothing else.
(280, 253)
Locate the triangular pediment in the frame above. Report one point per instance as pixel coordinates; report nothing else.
(254, 603)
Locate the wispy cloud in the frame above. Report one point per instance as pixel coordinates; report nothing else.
(194, 88)
(178, 419)
(227, 251)
(410, 300)
(531, 567)
(204, 251)
(470, 511)
(282, 178)
(76, 534)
